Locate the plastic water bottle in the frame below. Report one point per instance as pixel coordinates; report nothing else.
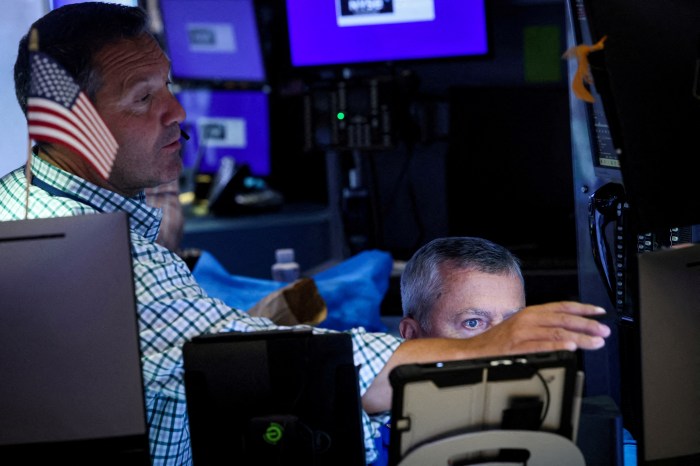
(285, 269)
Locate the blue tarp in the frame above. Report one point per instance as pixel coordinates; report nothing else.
(353, 289)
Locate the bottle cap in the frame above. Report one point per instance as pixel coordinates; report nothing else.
(284, 255)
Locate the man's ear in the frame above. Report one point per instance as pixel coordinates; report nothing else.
(409, 328)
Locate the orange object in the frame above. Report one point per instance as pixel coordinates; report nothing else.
(583, 74)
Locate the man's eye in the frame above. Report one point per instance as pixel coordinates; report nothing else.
(471, 323)
(145, 98)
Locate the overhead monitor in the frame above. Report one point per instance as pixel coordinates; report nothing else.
(53, 4)
(341, 32)
(232, 124)
(213, 40)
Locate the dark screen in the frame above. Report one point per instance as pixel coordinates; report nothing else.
(647, 75)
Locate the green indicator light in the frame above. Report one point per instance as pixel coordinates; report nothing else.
(341, 116)
(274, 433)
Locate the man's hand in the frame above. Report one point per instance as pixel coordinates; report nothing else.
(547, 327)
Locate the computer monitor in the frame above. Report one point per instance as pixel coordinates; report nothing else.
(438, 406)
(213, 40)
(298, 403)
(225, 123)
(647, 75)
(668, 409)
(345, 32)
(639, 200)
(72, 388)
(53, 4)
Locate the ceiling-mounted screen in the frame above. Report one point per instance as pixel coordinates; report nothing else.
(53, 4)
(213, 40)
(339, 32)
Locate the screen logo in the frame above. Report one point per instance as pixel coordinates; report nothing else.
(369, 12)
(211, 37)
(223, 132)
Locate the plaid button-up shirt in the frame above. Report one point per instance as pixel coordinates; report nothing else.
(172, 307)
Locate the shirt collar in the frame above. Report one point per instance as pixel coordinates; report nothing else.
(143, 219)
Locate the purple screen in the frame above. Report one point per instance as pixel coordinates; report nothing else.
(213, 40)
(59, 3)
(356, 31)
(226, 124)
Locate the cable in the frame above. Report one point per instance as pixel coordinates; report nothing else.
(546, 399)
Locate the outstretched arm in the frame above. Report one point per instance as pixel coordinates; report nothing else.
(546, 327)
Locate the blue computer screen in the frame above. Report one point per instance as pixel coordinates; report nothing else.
(226, 123)
(358, 31)
(213, 40)
(59, 3)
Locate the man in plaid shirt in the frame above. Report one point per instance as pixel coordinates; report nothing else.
(124, 72)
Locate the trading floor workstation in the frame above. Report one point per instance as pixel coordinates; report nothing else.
(564, 130)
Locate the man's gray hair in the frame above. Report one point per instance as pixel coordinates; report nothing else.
(422, 280)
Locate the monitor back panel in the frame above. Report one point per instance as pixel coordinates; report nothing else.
(69, 350)
(273, 398)
(669, 325)
(433, 401)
